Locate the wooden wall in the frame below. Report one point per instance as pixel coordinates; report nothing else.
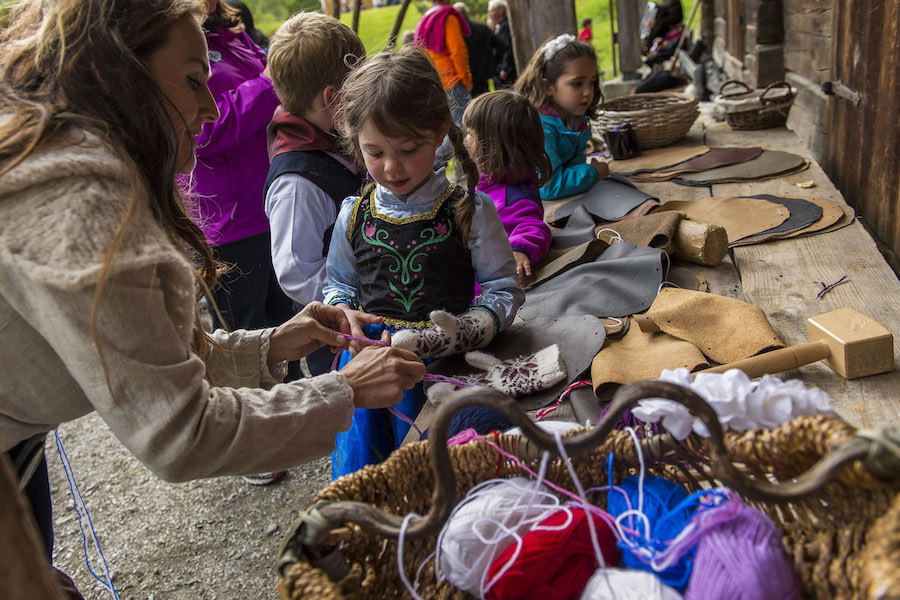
(807, 43)
(824, 41)
(761, 41)
(864, 136)
(808, 62)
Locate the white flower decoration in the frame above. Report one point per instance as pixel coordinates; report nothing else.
(740, 403)
(555, 45)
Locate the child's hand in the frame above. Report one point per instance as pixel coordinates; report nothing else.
(358, 320)
(523, 267)
(601, 167)
(450, 335)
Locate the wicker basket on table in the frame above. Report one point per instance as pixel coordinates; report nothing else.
(748, 109)
(656, 119)
(833, 493)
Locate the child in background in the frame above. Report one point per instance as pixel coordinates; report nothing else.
(586, 34)
(505, 139)
(562, 81)
(406, 254)
(309, 175)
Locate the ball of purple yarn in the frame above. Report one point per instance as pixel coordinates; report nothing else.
(662, 498)
(742, 559)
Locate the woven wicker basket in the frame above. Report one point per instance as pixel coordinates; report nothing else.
(756, 109)
(657, 119)
(843, 534)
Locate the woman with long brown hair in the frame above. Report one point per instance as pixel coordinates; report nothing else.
(101, 266)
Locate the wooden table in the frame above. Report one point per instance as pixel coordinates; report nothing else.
(783, 277)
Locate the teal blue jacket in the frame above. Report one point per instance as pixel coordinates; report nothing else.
(571, 173)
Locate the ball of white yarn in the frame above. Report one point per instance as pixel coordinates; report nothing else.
(485, 523)
(627, 584)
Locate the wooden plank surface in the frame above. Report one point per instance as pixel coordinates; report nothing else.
(783, 277)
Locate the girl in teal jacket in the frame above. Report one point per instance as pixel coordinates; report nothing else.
(561, 79)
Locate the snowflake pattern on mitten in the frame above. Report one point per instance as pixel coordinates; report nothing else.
(449, 335)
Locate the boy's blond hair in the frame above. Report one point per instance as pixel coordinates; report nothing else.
(309, 52)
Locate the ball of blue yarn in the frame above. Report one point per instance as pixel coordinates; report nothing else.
(661, 505)
(480, 418)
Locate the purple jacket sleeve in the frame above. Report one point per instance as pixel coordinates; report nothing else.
(529, 234)
(243, 112)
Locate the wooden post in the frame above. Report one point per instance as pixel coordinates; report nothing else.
(708, 26)
(357, 6)
(628, 17)
(612, 37)
(398, 23)
(531, 22)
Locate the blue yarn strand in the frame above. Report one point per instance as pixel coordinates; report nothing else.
(76, 500)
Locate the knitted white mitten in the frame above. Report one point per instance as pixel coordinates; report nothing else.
(450, 334)
(515, 377)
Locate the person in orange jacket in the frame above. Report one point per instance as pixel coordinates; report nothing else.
(441, 32)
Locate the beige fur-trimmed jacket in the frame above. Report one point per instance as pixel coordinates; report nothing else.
(59, 211)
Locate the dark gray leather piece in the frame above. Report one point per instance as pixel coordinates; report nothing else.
(803, 213)
(621, 281)
(609, 200)
(578, 230)
(769, 163)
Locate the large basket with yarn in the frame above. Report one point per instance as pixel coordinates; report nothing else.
(832, 492)
(749, 109)
(656, 119)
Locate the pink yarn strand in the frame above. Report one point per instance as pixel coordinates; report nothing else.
(428, 376)
(608, 518)
(549, 409)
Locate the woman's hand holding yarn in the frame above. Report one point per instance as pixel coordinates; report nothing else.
(315, 326)
(380, 374)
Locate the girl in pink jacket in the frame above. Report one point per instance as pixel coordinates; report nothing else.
(506, 140)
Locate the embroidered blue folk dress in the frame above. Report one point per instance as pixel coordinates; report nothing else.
(401, 260)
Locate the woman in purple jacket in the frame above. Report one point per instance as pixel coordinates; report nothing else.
(227, 182)
(506, 140)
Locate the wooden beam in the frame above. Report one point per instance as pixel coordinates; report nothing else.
(532, 22)
(398, 23)
(628, 18)
(357, 6)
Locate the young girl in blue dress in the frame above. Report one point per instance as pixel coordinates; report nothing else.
(562, 81)
(405, 255)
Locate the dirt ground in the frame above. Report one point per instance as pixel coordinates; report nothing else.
(216, 538)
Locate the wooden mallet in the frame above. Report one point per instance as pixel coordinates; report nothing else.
(850, 343)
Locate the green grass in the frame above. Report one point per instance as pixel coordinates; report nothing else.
(375, 24)
(598, 10)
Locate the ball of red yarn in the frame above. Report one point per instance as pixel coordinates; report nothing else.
(556, 564)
